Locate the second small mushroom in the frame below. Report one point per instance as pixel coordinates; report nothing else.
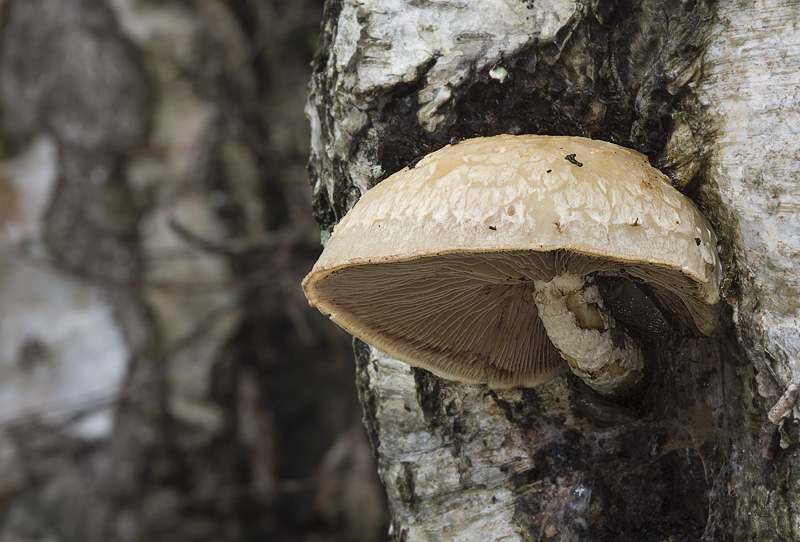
(487, 262)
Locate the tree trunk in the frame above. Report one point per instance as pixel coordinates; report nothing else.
(709, 92)
(159, 379)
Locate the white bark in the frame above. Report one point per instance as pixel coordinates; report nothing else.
(523, 465)
(440, 487)
(751, 85)
(379, 44)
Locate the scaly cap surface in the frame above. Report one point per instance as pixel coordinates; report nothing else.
(435, 264)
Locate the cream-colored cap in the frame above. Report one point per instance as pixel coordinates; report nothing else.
(435, 264)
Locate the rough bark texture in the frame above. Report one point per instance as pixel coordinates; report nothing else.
(160, 380)
(750, 92)
(709, 92)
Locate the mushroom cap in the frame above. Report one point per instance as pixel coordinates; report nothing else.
(435, 265)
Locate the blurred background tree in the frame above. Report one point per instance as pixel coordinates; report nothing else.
(161, 376)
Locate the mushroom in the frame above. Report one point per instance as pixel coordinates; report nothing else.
(487, 262)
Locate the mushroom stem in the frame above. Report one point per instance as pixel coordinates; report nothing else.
(602, 354)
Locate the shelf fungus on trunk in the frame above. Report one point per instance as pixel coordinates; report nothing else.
(496, 259)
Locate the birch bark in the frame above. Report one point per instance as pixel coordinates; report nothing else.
(709, 92)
